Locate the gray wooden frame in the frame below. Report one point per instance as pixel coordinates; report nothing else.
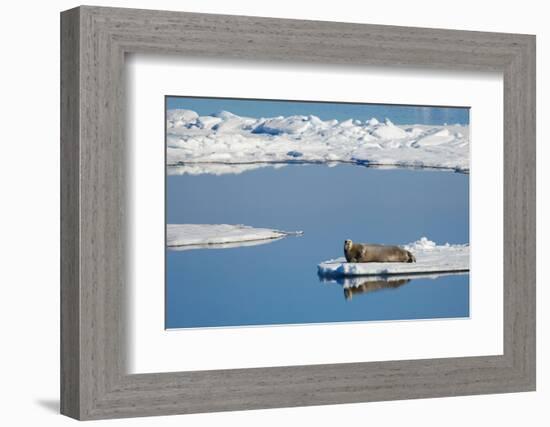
(94, 382)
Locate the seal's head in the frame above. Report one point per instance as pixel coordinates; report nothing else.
(347, 244)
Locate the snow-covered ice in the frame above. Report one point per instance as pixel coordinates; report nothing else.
(430, 258)
(217, 236)
(227, 143)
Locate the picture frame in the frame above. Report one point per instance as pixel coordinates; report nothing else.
(94, 381)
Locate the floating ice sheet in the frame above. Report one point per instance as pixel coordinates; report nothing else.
(430, 258)
(218, 236)
(227, 143)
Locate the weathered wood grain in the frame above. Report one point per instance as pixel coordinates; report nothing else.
(94, 382)
(70, 221)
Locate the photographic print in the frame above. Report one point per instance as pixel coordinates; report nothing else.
(303, 212)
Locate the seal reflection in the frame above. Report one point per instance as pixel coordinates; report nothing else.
(373, 285)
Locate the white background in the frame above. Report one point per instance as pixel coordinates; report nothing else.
(30, 213)
(154, 350)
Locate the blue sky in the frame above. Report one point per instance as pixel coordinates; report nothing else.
(325, 110)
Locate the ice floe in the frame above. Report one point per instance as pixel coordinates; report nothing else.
(227, 143)
(218, 236)
(430, 258)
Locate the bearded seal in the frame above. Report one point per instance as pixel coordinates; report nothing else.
(369, 252)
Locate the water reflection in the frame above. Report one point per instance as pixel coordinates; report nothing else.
(230, 245)
(358, 285)
(374, 285)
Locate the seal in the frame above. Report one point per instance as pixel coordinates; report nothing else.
(370, 252)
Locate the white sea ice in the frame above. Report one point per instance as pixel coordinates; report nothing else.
(430, 258)
(208, 144)
(218, 236)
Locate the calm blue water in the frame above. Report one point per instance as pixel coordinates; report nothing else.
(277, 283)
